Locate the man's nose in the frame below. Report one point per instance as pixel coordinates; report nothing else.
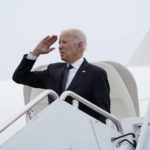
(60, 46)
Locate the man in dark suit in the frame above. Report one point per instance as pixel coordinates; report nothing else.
(85, 79)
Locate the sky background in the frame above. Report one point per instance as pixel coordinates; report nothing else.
(114, 28)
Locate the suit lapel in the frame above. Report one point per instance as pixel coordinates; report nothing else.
(81, 73)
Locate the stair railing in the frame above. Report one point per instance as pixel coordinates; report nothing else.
(93, 107)
(34, 102)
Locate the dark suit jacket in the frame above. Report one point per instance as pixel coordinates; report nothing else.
(89, 82)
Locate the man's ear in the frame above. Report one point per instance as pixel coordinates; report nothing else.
(81, 45)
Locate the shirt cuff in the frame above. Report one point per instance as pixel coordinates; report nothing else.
(31, 57)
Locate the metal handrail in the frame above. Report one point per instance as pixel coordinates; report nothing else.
(93, 107)
(34, 102)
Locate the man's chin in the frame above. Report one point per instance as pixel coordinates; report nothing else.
(63, 59)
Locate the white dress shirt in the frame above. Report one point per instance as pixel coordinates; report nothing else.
(31, 57)
(72, 72)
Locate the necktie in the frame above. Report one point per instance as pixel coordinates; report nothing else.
(65, 76)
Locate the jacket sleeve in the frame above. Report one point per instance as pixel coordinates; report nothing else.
(24, 75)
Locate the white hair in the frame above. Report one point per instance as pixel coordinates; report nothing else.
(79, 36)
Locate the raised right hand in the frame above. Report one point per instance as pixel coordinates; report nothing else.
(44, 46)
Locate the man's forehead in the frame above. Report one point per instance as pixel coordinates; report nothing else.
(66, 35)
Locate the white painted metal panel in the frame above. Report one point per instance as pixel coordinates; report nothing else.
(59, 126)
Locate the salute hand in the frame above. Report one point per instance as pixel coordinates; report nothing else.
(44, 46)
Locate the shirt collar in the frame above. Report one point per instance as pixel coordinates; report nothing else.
(78, 63)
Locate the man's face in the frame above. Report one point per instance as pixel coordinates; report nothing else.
(69, 48)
